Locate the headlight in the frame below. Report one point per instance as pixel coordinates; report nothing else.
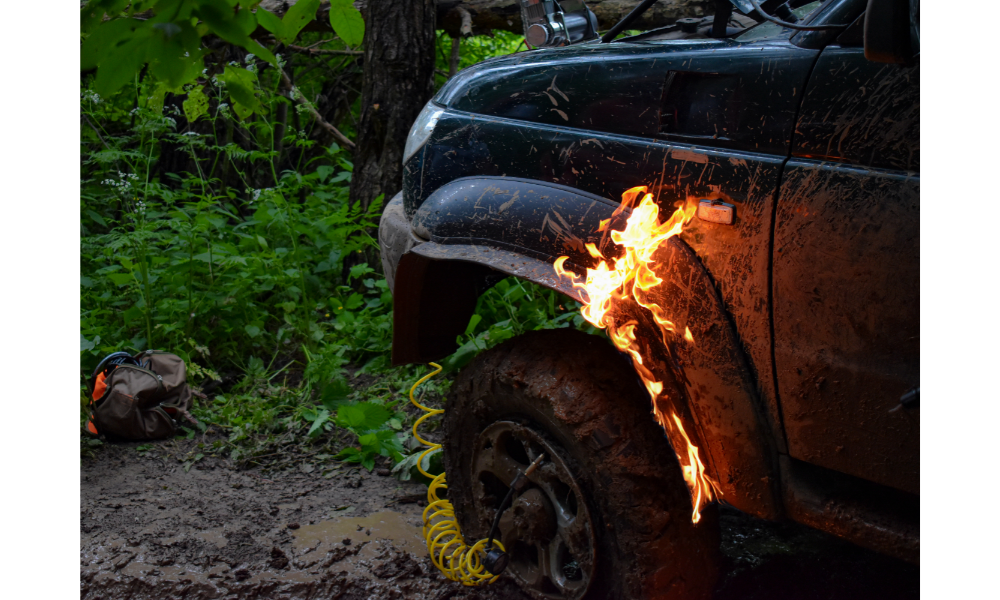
(421, 130)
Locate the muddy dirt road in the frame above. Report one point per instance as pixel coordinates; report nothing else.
(150, 529)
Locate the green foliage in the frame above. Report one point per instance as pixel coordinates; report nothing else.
(168, 42)
(510, 308)
(347, 22)
(215, 223)
(288, 28)
(474, 50)
(242, 86)
(370, 422)
(196, 105)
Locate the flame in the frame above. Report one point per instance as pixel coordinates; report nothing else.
(630, 278)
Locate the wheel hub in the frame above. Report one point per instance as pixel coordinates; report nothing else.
(547, 530)
(530, 518)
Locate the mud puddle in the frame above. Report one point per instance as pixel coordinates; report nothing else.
(148, 529)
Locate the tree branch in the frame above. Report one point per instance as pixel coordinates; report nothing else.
(298, 97)
(312, 50)
(94, 127)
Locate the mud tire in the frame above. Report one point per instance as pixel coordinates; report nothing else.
(579, 392)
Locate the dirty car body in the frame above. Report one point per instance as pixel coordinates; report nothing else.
(806, 306)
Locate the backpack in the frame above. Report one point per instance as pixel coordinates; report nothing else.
(139, 397)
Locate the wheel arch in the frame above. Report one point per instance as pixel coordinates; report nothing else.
(474, 231)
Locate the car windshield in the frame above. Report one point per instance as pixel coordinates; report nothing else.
(768, 29)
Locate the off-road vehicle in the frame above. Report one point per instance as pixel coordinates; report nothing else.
(799, 282)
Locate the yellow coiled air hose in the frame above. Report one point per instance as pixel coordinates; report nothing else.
(447, 547)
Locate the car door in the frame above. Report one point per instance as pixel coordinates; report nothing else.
(847, 269)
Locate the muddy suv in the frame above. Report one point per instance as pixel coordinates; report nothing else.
(799, 281)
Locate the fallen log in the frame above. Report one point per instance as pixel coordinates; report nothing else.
(485, 16)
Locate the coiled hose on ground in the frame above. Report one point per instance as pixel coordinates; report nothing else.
(449, 552)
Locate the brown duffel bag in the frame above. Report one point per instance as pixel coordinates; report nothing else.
(139, 397)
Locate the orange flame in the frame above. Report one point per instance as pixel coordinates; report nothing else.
(630, 278)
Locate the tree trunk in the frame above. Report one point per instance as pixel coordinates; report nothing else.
(456, 44)
(398, 81)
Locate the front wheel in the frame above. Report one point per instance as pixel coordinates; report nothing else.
(607, 515)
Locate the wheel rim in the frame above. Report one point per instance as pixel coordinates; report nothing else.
(547, 529)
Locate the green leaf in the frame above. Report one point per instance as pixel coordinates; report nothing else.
(108, 36)
(86, 344)
(358, 271)
(120, 66)
(369, 442)
(196, 104)
(348, 455)
(335, 394)
(318, 423)
(324, 171)
(347, 22)
(96, 217)
(224, 24)
(175, 54)
(154, 103)
(241, 111)
(389, 443)
(368, 462)
(246, 20)
(242, 88)
(297, 17)
(363, 416)
(476, 318)
(462, 356)
(354, 301)
(120, 278)
(271, 22)
(252, 330)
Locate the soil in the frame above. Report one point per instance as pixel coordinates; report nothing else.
(150, 529)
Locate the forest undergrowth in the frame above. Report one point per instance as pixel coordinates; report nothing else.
(215, 223)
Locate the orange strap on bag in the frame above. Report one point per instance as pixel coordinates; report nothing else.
(100, 385)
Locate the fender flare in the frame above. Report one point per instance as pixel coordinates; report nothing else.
(474, 231)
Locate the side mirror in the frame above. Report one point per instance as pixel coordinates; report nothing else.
(892, 31)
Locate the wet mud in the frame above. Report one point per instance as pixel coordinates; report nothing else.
(149, 529)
